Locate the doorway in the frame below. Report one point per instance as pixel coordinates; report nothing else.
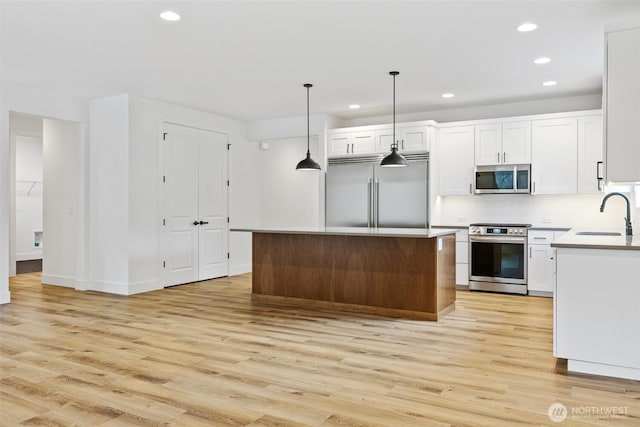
(195, 228)
(46, 205)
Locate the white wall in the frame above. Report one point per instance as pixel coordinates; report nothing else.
(61, 141)
(126, 133)
(45, 103)
(109, 191)
(28, 151)
(288, 197)
(557, 211)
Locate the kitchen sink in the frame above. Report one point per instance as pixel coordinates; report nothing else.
(597, 233)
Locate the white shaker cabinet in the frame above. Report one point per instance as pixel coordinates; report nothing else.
(506, 143)
(348, 143)
(554, 156)
(488, 144)
(462, 258)
(541, 262)
(413, 138)
(456, 158)
(590, 154)
(516, 142)
(622, 105)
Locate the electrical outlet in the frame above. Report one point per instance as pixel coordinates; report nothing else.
(462, 218)
(546, 220)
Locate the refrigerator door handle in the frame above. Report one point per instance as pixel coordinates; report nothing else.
(369, 197)
(376, 187)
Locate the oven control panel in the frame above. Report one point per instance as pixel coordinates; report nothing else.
(490, 230)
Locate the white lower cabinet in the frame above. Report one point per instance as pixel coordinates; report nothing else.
(541, 262)
(462, 258)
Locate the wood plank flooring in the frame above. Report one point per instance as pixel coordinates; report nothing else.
(204, 354)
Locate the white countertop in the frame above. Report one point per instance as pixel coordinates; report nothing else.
(622, 242)
(357, 231)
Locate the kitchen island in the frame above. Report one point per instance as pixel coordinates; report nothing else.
(406, 273)
(596, 300)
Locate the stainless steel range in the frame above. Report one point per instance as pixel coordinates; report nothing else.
(498, 257)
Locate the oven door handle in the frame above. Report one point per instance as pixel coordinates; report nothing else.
(515, 240)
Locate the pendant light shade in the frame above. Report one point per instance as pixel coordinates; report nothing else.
(394, 159)
(308, 164)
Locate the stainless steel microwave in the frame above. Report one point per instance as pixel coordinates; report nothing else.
(498, 179)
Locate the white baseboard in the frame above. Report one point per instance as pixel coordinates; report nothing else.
(65, 281)
(5, 297)
(29, 256)
(124, 288)
(239, 269)
(602, 369)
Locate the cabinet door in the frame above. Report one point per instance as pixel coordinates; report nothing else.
(541, 264)
(363, 142)
(554, 160)
(516, 142)
(339, 144)
(414, 138)
(590, 154)
(455, 149)
(488, 144)
(384, 139)
(622, 105)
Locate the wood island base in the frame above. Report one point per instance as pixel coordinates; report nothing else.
(408, 277)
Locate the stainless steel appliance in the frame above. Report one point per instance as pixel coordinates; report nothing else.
(497, 179)
(498, 257)
(360, 193)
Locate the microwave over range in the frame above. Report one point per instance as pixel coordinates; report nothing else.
(503, 179)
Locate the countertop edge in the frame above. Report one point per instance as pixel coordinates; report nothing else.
(428, 233)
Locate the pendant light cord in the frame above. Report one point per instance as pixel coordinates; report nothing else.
(395, 143)
(308, 85)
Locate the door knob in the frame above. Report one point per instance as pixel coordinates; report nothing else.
(203, 222)
(195, 223)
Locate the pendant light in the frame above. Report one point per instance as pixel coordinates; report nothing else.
(394, 159)
(307, 164)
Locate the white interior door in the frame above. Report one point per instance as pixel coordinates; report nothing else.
(213, 228)
(180, 204)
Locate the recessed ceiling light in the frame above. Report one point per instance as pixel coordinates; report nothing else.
(170, 15)
(542, 60)
(550, 83)
(354, 106)
(448, 95)
(527, 26)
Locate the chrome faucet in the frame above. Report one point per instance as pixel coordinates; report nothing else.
(627, 220)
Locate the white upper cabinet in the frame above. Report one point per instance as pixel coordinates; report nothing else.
(554, 162)
(488, 142)
(413, 138)
(516, 142)
(503, 143)
(590, 154)
(455, 154)
(622, 105)
(346, 143)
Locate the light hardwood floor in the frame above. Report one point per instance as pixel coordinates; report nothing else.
(203, 354)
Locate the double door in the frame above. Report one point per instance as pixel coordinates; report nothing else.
(367, 195)
(194, 243)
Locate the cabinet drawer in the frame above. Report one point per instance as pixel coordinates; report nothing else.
(540, 237)
(462, 235)
(462, 274)
(462, 252)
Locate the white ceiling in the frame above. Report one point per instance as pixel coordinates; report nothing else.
(248, 60)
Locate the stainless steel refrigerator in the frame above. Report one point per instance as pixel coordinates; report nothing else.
(360, 193)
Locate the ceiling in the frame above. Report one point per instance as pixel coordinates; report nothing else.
(249, 59)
